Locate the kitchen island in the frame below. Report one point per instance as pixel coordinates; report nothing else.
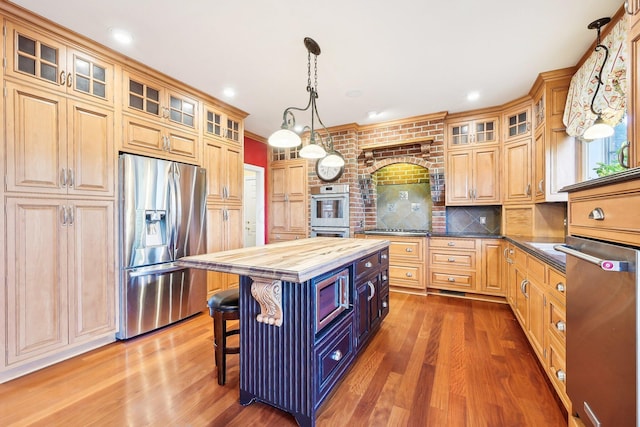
(307, 308)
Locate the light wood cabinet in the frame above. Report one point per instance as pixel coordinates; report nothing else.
(60, 275)
(473, 177)
(472, 266)
(220, 124)
(57, 145)
(407, 264)
(288, 201)
(555, 159)
(151, 138)
(517, 171)
(224, 232)
(633, 97)
(47, 61)
(225, 171)
(517, 122)
(473, 131)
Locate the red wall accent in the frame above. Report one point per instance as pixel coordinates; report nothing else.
(255, 153)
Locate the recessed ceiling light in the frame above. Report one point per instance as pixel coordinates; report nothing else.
(229, 92)
(473, 96)
(121, 36)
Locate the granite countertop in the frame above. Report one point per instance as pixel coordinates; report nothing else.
(292, 261)
(542, 248)
(615, 178)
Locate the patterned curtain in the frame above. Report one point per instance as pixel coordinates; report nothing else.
(612, 95)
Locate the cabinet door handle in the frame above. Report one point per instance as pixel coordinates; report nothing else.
(504, 253)
(528, 190)
(451, 243)
(63, 177)
(71, 219)
(561, 375)
(409, 249)
(451, 259)
(624, 150)
(451, 279)
(71, 177)
(336, 355)
(523, 288)
(560, 287)
(627, 8)
(63, 78)
(372, 289)
(69, 80)
(597, 214)
(63, 215)
(540, 186)
(561, 326)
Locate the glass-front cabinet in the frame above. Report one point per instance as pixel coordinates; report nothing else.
(222, 125)
(52, 64)
(468, 132)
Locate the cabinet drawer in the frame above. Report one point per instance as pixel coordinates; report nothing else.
(454, 259)
(368, 264)
(557, 285)
(407, 275)
(334, 354)
(557, 366)
(453, 280)
(557, 320)
(435, 242)
(410, 250)
(536, 269)
(613, 210)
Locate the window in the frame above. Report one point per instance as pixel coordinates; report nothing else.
(602, 156)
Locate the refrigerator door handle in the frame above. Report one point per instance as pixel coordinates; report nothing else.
(605, 264)
(155, 269)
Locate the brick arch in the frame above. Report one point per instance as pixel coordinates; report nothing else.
(379, 164)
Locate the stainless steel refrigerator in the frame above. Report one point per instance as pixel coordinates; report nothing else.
(162, 218)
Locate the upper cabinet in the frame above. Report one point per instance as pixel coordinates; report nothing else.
(38, 59)
(517, 123)
(473, 131)
(633, 107)
(223, 125)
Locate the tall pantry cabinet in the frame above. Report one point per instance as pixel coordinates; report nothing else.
(59, 196)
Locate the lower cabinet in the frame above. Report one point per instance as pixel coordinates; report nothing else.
(466, 265)
(62, 294)
(224, 232)
(372, 294)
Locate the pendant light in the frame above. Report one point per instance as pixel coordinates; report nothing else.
(599, 129)
(286, 137)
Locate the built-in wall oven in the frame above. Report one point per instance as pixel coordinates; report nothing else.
(602, 329)
(330, 211)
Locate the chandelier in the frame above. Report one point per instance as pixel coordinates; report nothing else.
(318, 147)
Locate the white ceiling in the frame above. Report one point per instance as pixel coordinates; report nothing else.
(404, 58)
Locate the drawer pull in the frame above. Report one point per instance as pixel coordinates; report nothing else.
(409, 249)
(451, 243)
(336, 355)
(384, 277)
(451, 260)
(561, 375)
(561, 326)
(409, 275)
(383, 256)
(597, 214)
(368, 264)
(385, 304)
(451, 279)
(560, 287)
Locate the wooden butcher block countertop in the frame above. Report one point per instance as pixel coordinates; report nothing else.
(293, 261)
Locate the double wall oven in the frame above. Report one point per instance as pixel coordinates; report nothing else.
(330, 211)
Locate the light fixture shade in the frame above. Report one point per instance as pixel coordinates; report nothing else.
(284, 138)
(599, 129)
(334, 160)
(312, 151)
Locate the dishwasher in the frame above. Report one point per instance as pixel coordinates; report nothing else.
(602, 332)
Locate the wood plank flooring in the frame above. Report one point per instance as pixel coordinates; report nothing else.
(436, 361)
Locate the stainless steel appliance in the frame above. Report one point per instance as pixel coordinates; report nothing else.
(329, 231)
(330, 206)
(332, 297)
(602, 328)
(162, 218)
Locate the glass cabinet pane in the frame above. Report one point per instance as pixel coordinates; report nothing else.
(37, 59)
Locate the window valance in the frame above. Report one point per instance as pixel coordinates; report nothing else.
(611, 98)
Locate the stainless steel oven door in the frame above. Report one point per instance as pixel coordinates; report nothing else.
(330, 210)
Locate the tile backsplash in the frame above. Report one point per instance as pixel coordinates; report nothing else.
(469, 219)
(406, 206)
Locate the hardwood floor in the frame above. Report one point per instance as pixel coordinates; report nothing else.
(436, 361)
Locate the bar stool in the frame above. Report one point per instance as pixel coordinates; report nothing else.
(224, 306)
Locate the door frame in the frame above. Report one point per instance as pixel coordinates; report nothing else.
(260, 202)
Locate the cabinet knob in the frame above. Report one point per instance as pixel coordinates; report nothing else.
(561, 375)
(451, 260)
(561, 326)
(409, 275)
(384, 277)
(368, 264)
(409, 249)
(560, 287)
(451, 279)
(385, 304)
(383, 256)
(336, 355)
(451, 243)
